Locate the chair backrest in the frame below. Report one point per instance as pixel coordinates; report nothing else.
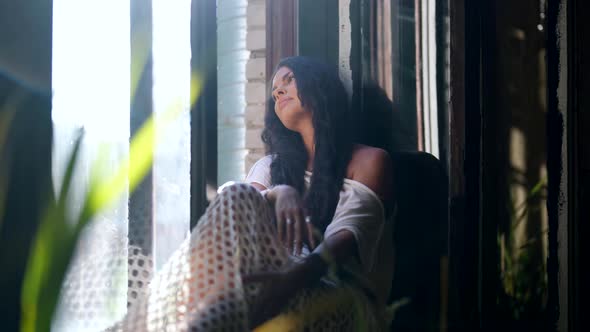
(420, 239)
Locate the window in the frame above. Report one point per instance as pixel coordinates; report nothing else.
(91, 91)
(98, 69)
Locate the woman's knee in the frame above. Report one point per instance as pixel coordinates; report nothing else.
(239, 191)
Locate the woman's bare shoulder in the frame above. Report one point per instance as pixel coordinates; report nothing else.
(372, 167)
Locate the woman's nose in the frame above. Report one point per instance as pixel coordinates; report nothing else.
(279, 92)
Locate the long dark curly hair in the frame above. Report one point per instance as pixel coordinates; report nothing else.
(322, 93)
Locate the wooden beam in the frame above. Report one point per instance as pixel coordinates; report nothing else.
(464, 165)
(281, 32)
(204, 110)
(579, 145)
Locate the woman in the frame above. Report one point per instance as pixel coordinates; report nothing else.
(255, 253)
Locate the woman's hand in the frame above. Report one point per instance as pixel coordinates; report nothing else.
(280, 287)
(293, 223)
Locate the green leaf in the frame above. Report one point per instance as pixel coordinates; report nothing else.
(56, 239)
(48, 261)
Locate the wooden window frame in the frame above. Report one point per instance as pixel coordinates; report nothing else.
(204, 111)
(281, 32)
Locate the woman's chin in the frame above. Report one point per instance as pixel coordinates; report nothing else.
(290, 126)
(293, 118)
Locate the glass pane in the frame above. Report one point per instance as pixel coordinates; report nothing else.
(171, 90)
(520, 111)
(91, 91)
(404, 73)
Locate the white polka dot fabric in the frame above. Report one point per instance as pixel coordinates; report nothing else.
(200, 287)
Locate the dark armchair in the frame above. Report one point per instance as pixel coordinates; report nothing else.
(420, 241)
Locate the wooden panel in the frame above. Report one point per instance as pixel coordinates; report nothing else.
(318, 30)
(281, 32)
(464, 165)
(556, 263)
(579, 118)
(403, 63)
(204, 111)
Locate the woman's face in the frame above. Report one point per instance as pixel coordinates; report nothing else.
(287, 104)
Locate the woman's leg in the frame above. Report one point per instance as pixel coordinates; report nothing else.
(200, 287)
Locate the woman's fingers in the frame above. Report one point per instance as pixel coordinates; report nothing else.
(294, 230)
(291, 226)
(298, 226)
(289, 231)
(281, 227)
(310, 237)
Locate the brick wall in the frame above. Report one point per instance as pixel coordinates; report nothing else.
(255, 77)
(232, 57)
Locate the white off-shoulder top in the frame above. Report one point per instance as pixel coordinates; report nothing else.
(361, 212)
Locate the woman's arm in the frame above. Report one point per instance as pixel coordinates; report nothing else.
(281, 286)
(373, 169)
(258, 186)
(335, 249)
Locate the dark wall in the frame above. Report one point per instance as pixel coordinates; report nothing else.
(25, 150)
(580, 120)
(25, 41)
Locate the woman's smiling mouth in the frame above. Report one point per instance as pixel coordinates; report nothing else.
(283, 101)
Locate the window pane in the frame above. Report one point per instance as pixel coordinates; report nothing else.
(520, 156)
(171, 90)
(91, 91)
